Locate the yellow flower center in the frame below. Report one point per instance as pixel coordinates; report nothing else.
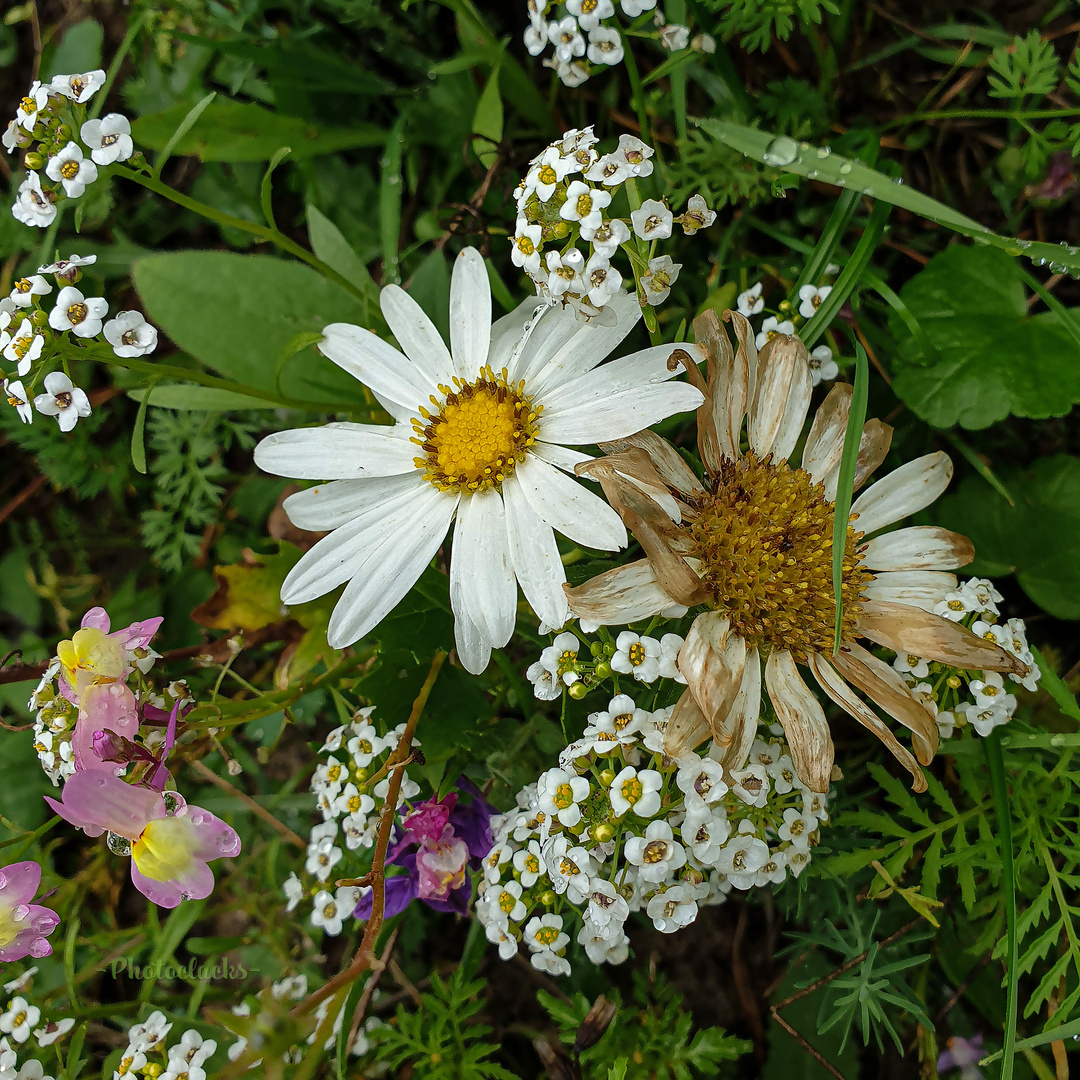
(620, 721)
(164, 850)
(631, 790)
(589, 6)
(584, 205)
(23, 285)
(636, 654)
(532, 864)
(29, 105)
(480, 431)
(764, 538)
(354, 804)
(547, 935)
(90, 656)
(69, 170)
(568, 867)
(525, 245)
(564, 796)
(507, 902)
(77, 312)
(547, 175)
(21, 345)
(655, 851)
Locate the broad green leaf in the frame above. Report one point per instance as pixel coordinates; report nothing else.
(188, 397)
(330, 245)
(79, 50)
(488, 122)
(235, 131)
(1038, 539)
(237, 313)
(990, 359)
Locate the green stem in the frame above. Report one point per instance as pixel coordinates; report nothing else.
(264, 232)
(637, 91)
(996, 764)
(983, 114)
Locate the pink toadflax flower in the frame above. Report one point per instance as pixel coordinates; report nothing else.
(23, 925)
(169, 852)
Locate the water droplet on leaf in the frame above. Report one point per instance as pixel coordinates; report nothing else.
(781, 151)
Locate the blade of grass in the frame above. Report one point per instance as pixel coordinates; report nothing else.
(981, 467)
(182, 129)
(996, 764)
(266, 189)
(846, 482)
(814, 267)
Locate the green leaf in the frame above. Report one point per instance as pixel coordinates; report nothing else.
(235, 131)
(79, 50)
(487, 122)
(185, 125)
(237, 313)
(1055, 686)
(1038, 539)
(1026, 65)
(991, 359)
(188, 397)
(138, 442)
(330, 245)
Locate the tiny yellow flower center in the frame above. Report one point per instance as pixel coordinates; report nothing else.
(655, 851)
(532, 864)
(547, 175)
(564, 796)
(525, 245)
(354, 804)
(77, 312)
(632, 790)
(108, 140)
(620, 721)
(330, 910)
(507, 902)
(589, 6)
(637, 654)
(480, 431)
(739, 861)
(547, 935)
(69, 170)
(23, 285)
(568, 868)
(29, 105)
(584, 205)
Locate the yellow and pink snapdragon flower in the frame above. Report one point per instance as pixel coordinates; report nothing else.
(24, 926)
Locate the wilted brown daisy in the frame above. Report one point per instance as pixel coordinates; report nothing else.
(753, 544)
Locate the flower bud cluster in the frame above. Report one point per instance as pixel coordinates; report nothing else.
(620, 827)
(37, 342)
(44, 127)
(979, 700)
(95, 704)
(563, 201)
(784, 320)
(585, 36)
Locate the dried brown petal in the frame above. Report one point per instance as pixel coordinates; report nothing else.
(802, 719)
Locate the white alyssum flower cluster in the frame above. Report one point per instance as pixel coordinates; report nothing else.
(979, 700)
(18, 1022)
(35, 341)
(618, 827)
(585, 36)
(147, 1053)
(641, 657)
(348, 786)
(49, 115)
(564, 200)
(783, 320)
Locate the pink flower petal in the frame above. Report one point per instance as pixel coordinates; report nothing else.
(215, 838)
(138, 634)
(20, 882)
(104, 801)
(97, 618)
(163, 893)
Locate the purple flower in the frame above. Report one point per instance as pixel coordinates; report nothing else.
(963, 1054)
(23, 926)
(169, 853)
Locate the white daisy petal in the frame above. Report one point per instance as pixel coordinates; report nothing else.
(626, 594)
(416, 334)
(488, 586)
(551, 329)
(337, 452)
(327, 506)
(618, 415)
(921, 547)
(392, 567)
(379, 366)
(904, 491)
(535, 557)
(473, 647)
(570, 508)
(470, 314)
(561, 457)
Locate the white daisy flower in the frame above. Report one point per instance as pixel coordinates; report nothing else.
(750, 302)
(490, 418)
(62, 400)
(658, 279)
(605, 45)
(109, 139)
(672, 909)
(25, 289)
(36, 99)
(33, 205)
(637, 656)
(567, 40)
(130, 334)
(607, 237)
(652, 220)
(636, 790)
(80, 314)
(770, 328)
(79, 88)
(589, 12)
(811, 297)
(822, 366)
(657, 854)
(584, 205)
(72, 170)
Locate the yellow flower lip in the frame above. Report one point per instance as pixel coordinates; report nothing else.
(91, 656)
(164, 849)
(478, 433)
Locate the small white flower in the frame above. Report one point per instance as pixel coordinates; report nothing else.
(130, 334)
(564, 276)
(636, 154)
(21, 982)
(637, 656)
(750, 302)
(352, 801)
(637, 791)
(77, 313)
(109, 139)
(569, 868)
(701, 780)
(409, 789)
(703, 43)
(322, 858)
(608, 909)
(79, 88)
(536, 35)
(24, 347)
(150, 1033)
(989, 690)
(697, 215)
(672, 909)
(545, 938)
(364, 745)
(525, 249)
(814, 804)
(27, 288)
(657, 854)
(605, 45)
(329, 912)
(652, 220)
(589, 12)
(559, 794)
(68, 270)
(774, 871)
(584, 204)
(62, 400)
(547, 686)
(742, 857)
(797, 860)
(946, 724)
(797, 828)
(670, 644)
(658, 279)
(622, 718)
(567, 40)
(675, 37)
(956, 605)
(15, 137)
(499, 934)
(610, 170)
(811, 297)
(29, 107)
(770, 328)
(599, 947)
(607, 236)
(571, 75)
(294, 891)
(131, 1064)
(914, 666)
(358, 831)
(705, 830)
(602, 280)
(19, 1019)
(633, 8)
(494, 860)
(822, 366)
(72, 170)
(529, 863)
(33, 206)
(53, 1030)
(193, 1049)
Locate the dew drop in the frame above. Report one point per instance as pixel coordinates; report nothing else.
(1023, 243)
(781, 151)
(823, 152)
(1058, 268)
(174, 802)
(897, 179)
(868, 191)
(812, 174)
(39, 947)
(42, 924)
(1038, 262)
(845, 168)
(118, 845)
(3, 881)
